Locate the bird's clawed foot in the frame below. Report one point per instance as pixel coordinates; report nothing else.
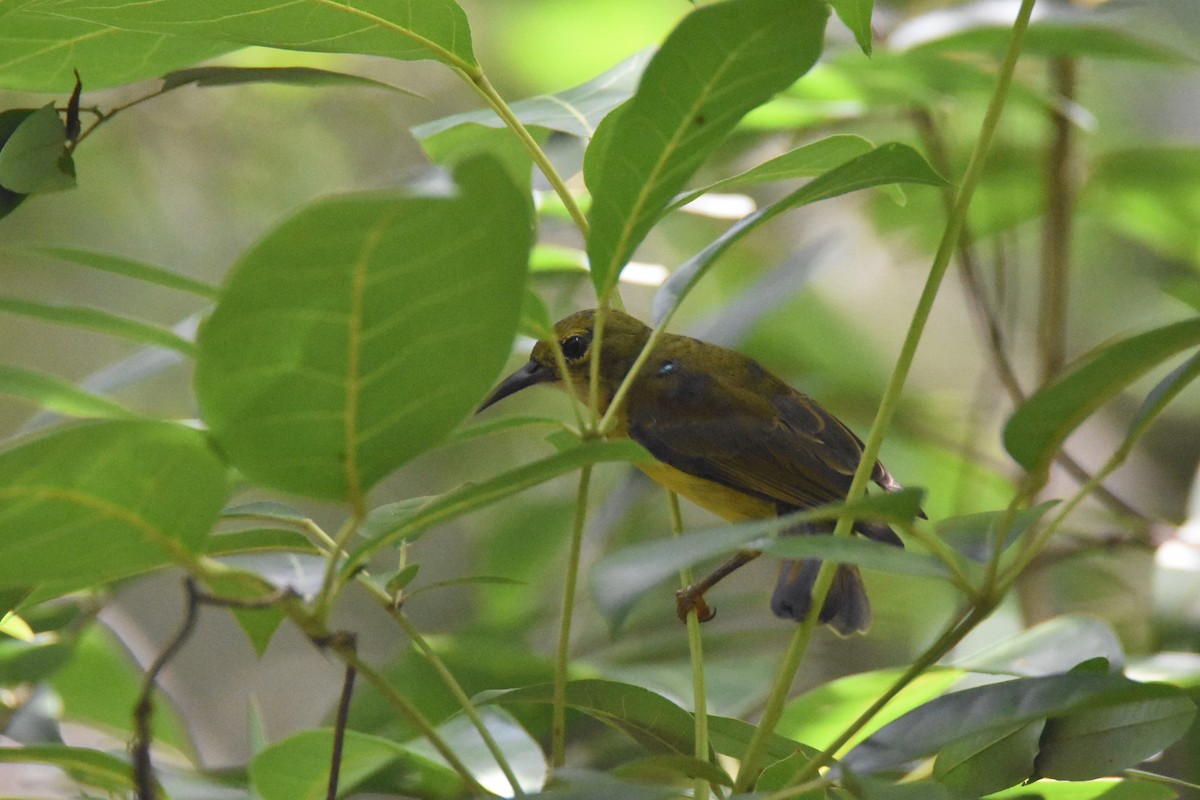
(692, 599)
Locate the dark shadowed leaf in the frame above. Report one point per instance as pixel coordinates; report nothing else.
(34, 158)
(990, 760)
(286, 76)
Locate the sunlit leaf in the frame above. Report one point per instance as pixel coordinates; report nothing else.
(42, 50)
(1103, 789)
(357, 334)
(819, 715)
(100, 500)
(1037, 429)
(719, 62)
(403, 29)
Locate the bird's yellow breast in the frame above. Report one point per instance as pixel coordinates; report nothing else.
(721, 500)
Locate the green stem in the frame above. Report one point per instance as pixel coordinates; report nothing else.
(489, 94)
(890, 401)
(464, 702)
(696, 650)
(773, 710)
(558, 728)
(330, 584)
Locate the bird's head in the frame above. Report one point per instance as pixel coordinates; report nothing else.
(623, 338)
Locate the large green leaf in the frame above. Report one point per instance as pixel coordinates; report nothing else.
(39, 52)
(989, 760)
(888, 163)
(954, 717)
(1096, 742)
(404, 29)
(1103, 789)
(720, 62)
(101, 500)
(358, 333)
(1037, 429)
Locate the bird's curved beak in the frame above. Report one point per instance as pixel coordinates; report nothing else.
(529, 375)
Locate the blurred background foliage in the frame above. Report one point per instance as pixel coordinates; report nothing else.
(190, 180)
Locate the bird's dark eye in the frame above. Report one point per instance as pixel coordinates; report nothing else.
(574, 347)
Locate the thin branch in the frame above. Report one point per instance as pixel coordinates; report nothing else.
(339, 730)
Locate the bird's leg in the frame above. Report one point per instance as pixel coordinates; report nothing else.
(692, 597)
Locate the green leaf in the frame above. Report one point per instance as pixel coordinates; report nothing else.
(720, 62)
(471, 496)
(955, 716)
(359, 333)
(1037, 429)
(806, 161)
(1054, 646)
(1096, 742)
(31, 662)
(89, 767)
(400, 29)
(973, 534)
(297, 768)
(621, 578)
(856, 15)
(990, 760)
(259, 540)
(667, 769)
(125, 267)
(55, 394)
(648, 718)
(1104, 789)
(42, 50)
(857, 550)
(463, 142)
(576, 111)
(960, 29)
(34, 157)
(99, 321)
(888, 163)
(731, 737)
(287, 76)
(1151, 194)
(100, 500)
(1162, 394)
(100, 684)
(819, 715)
(524, 754)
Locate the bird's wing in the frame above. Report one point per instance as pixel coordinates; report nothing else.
(785, 448)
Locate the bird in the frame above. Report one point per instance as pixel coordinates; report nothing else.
(726, 434)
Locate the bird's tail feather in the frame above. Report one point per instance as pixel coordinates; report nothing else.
(846, 608)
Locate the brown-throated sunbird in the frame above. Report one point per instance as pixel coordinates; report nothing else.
(729, 436)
